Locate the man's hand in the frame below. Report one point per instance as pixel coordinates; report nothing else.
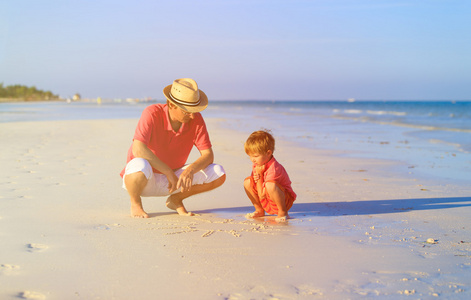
(139, 149)
(186, 179)
(172, 182)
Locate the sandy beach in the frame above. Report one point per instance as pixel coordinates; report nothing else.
(360, 227)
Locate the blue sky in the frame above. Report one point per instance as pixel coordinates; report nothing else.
(270, 50)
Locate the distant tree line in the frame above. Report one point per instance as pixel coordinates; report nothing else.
(22, 92)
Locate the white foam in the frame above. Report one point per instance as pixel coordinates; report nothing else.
(353, 111)
(383, 112)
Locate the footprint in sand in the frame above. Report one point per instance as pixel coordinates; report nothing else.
(31, 295)
(107, 226)
(8, 269)
(307, 290)
(36, 247)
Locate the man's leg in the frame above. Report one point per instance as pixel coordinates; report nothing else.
(135, 184)
(259, 212)
(175, 201)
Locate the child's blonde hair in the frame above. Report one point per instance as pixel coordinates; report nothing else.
(260, 142)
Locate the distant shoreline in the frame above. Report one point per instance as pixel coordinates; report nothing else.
(9, 100)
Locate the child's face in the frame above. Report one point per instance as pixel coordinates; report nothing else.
(260, 158)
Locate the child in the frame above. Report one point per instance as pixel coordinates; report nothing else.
(269, 186)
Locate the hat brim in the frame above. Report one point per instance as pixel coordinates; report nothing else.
(191, 109)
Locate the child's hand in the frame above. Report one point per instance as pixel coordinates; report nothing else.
(258, 173)
(256, 177)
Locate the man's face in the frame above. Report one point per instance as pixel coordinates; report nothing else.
(178, 114)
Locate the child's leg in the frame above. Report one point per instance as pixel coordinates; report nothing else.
(278, 196)
(259, 212)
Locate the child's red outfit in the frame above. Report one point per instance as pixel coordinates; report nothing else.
(274, 172)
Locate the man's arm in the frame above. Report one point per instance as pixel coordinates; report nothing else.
(186, 179)
(139, 149)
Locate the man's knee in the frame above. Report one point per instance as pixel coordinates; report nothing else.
(139, 165)
(137, 179)
(221, 180)
(214, 172)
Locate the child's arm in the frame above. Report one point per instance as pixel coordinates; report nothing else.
(259, 180)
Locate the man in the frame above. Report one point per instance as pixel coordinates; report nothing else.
(162, 143)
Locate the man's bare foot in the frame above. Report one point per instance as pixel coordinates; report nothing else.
(176, 204)
(184, 213)
(255, 214)
(138, 212)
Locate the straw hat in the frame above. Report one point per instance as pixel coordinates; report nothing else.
(185, 94)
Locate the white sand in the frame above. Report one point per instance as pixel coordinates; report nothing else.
(360, 227)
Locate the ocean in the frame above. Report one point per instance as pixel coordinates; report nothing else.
(433, 138)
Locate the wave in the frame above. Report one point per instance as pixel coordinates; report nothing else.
(429, 127)
(353, 111)
(370, 112)
(404, 124)
(382, 112)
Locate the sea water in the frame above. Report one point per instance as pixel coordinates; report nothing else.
(432, 138)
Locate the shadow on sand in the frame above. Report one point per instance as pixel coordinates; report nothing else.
(371, 207)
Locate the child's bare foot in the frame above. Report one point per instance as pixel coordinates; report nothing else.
(138, 212)
(255, 214)
(176, 204)
(282, 219)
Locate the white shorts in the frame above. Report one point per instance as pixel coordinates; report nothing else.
(157, 184)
